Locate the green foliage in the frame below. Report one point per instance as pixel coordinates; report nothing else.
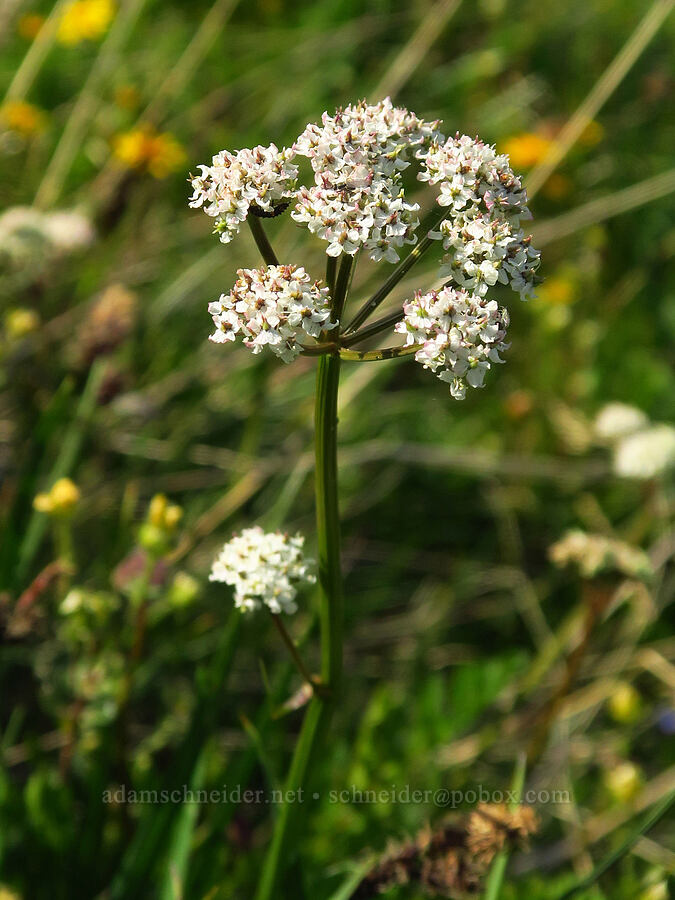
(127, 669)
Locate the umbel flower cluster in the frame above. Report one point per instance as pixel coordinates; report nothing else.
(264, 568)
(460, 335)
(270, 308)
(355, 200)
(260, 181)
(487, 202)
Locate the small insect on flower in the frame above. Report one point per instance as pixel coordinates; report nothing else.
(271, 308)
(260, 181)
(460, 334)
(265, 568)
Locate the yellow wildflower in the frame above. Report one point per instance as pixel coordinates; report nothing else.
(623, 781)
(29, 25)
(140, 148)
(560, 290)
(167, 156)
(624, 703)
(23, 118)
(21, 321)
(85, 20)
(60, 500)
(526, 150)
(162, 515)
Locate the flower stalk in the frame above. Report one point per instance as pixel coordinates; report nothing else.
(293, 650)
(321, 707)
(262, 241)
(399, 272)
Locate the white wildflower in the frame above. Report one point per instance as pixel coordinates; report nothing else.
(263, 568)
(61, 231)
(646, 453)
(460, 334)
(486, 203)
(69, 230)
(357, 200)
(593, 554)
(617, 420)
(272, 307)
(260, 181)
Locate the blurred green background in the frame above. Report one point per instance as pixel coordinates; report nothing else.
(459, 629)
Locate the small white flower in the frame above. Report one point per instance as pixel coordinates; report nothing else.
(272, 307)
(264, 569)
(460, 334)
(69, 230)
(646, 453)
(261, 181)
(617, 420)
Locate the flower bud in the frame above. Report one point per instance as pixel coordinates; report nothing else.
(152, 539)
(157, 510)
(20, 322)
(624, 704)
(172, 517)
(184, 590)
(623, 781)
(60, 500)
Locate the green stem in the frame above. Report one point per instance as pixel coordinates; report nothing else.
(379, 325)
(331, 273)
(399, 272)
(262, 241)
(659, 810)
(344, 280)
(321, 707)
(331, 348)
(292, 649)
(376, 355)
(493, 884)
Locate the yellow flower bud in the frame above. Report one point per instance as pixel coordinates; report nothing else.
(65, 495)
(623, 781)
(157, 510)
(60, 500)
(43, 503)
(172, 517)
(152, 539)
(20, 322)
(624, 704)
(184, 589)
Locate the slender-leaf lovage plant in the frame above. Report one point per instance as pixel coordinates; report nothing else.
(357, 205)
